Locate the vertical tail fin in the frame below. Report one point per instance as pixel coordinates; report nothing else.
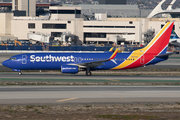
(160, 42)
(157, 46)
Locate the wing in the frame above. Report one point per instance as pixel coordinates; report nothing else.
(96, 63)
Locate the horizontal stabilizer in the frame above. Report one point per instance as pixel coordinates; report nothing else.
(165, 55)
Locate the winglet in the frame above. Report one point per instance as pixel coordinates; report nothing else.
(114, 54)
(111, 49)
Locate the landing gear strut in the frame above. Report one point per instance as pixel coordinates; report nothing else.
(88, 73)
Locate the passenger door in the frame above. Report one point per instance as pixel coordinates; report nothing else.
(24, 59)
(142, 59)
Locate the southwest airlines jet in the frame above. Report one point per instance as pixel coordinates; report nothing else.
(72, 62)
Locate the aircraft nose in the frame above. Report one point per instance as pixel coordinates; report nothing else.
(6, 63)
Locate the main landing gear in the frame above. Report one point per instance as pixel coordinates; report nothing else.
(88, 73)
(20, 73)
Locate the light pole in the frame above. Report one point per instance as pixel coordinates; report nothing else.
(108, 40)
(140, 23)
(139, 5)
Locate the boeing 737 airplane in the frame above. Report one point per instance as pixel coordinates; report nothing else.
(72, 62)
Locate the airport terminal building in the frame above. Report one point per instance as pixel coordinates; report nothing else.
(65, 21)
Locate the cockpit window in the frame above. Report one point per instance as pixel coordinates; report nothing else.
(12, 58)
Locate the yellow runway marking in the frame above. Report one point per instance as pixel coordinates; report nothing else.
(66, 99)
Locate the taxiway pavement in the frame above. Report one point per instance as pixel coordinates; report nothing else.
(36, 77)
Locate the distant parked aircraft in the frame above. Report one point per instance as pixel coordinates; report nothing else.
(72, 62)
(174, 39)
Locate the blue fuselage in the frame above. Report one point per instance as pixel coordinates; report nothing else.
(54, 61)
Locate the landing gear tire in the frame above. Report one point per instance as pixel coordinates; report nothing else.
(20, 73)
(88, 73)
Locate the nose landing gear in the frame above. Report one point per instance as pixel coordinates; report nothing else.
(18, 70)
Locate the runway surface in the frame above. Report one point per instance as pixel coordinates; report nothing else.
(39, 77)
(88, 94)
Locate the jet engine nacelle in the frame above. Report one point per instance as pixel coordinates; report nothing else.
(69, 69)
